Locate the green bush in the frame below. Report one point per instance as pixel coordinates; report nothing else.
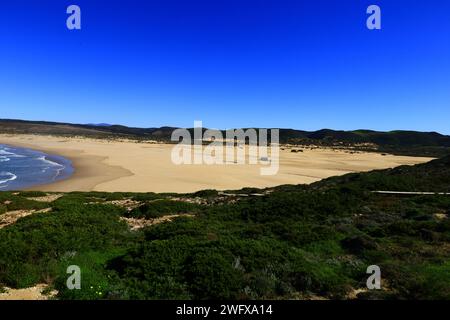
(211, 275)
(15, 202)
(32, 194)
(206, 193)
(160, 208)
(295, 241)
(31, 248)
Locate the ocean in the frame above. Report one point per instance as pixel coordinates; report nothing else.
(22, 168)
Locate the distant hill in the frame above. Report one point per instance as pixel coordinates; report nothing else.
(396, 142)
(102, 130)
(99, 124)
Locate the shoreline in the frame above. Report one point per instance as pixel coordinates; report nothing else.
(125, 166)
(84, 176)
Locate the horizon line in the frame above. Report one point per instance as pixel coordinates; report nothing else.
(104, 124)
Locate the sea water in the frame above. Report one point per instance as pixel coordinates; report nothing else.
(22, 168)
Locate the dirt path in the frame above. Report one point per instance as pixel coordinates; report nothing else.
(414, 193)
(136, 224)
(48, 198)
(11, 217)
(32, 293)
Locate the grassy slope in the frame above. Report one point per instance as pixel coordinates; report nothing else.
(294, 242)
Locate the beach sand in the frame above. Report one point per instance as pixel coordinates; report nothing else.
(107, 165)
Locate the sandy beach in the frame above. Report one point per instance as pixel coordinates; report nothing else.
(103, 165)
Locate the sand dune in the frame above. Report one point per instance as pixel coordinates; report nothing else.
(102, 165)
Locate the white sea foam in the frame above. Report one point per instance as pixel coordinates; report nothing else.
(54, 164)
(10, 154)
(58, 172)
(11, 176)
(6, 153)
(36, 167)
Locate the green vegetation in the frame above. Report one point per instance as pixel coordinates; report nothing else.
(162, 207)
(432, 176)
(292, 242)
(409, 143)
(10, 202)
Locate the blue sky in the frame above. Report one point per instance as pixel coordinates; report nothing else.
(230, 63)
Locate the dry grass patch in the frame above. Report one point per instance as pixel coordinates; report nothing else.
(125, 203)
(11, 217)
(137, 223)
(48, 198)
(440, 216)
(37, 292)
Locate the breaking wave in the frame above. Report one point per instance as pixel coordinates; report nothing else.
(6, 177)
(59, 166)
(21, 168)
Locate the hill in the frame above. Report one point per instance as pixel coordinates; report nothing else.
(433, 176)
(290, 242)
(396, 142)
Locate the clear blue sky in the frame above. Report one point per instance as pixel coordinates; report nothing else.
(231, 63)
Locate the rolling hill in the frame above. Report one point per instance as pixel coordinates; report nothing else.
(396, 142)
